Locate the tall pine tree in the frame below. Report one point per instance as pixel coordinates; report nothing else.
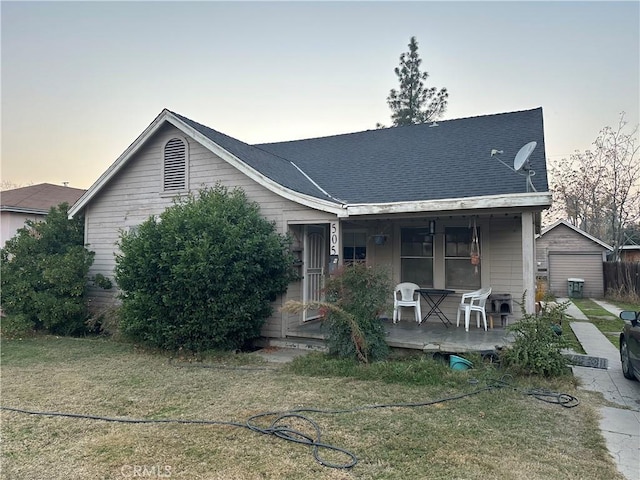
(413, 103)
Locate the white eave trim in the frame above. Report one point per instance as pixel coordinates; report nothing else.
(118, 164)
(539, 200)
(23, 210)
(521, 200)
(255, 175)
(167, 116)
(577, 230)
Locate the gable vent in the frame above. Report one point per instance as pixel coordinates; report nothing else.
(175, 165)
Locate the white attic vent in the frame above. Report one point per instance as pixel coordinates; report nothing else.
(175, 165)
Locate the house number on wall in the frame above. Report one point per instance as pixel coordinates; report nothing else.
(333, 227)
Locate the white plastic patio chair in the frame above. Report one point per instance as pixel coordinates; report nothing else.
(473, 302)
(408, 294)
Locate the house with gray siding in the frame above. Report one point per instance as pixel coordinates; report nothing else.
(409, 198)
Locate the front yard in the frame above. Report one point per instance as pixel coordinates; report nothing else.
(497, 434)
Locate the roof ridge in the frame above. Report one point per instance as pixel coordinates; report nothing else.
(40, 186)
(436, 122)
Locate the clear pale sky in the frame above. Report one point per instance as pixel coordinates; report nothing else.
(81, 80)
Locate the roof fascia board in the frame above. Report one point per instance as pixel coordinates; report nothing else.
(541, 199)
(31, 211)
(577, 230)
(518, 200)
(167, 116)
(119, 163)
(256, 176)
(552, 226)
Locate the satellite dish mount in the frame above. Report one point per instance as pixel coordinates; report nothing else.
(521, 163)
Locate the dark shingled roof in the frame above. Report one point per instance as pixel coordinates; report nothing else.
(270, 165)
(419, 162)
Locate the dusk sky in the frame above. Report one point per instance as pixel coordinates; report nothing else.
(81, 80)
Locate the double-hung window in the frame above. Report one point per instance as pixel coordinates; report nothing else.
(460, 273)
(354, 247)
(416, 256)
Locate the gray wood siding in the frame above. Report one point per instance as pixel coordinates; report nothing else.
(587, 266)
(564, 253)
(135, 193)
(504, 245)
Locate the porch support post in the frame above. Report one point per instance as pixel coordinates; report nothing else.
(528, 257)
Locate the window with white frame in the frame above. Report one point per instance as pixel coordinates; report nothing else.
(354, 247)
(175, 166)
(460, 273)
(416, 256)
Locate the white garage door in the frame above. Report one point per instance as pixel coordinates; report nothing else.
(588, 266)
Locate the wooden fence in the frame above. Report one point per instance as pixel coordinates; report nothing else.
(622, 277)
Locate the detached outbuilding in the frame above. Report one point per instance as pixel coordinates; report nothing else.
(564, 251)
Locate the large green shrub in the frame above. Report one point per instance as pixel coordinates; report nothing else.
(361, 294)
(44, 273)
(539, 342)
(203, 274)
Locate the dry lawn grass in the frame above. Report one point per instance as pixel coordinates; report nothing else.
(494, 435)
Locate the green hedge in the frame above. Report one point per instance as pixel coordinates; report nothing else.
(203, 274)
(44, 273)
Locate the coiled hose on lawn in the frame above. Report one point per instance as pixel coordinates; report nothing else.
(280, 428)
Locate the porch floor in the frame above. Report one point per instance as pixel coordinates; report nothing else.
(430, 336)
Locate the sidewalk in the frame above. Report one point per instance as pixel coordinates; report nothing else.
(620, 426)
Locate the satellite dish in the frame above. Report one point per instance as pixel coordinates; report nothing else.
(521, 160)
(521, 163)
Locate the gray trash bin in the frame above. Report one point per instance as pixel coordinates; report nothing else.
(575, 287)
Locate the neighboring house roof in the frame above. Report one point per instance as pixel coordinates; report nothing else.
(427, 167)
(38, 199)
(577, 230)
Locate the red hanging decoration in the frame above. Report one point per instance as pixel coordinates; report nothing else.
(475, 247)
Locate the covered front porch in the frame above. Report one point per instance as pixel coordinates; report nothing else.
(429, 336)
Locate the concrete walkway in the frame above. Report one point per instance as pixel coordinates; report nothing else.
(608, 307)
(620, 426)
(572, 310)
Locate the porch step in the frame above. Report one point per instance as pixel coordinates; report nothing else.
(296, 343)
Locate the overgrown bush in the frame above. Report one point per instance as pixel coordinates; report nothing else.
(354, 330)
(203, 274)
(624, 294)
(44, 273)
(539, 342)
(16, 326)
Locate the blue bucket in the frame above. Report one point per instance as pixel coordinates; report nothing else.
(459, 363)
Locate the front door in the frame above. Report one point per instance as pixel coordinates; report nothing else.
(314, 268)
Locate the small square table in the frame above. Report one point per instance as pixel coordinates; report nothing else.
(434, 297)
